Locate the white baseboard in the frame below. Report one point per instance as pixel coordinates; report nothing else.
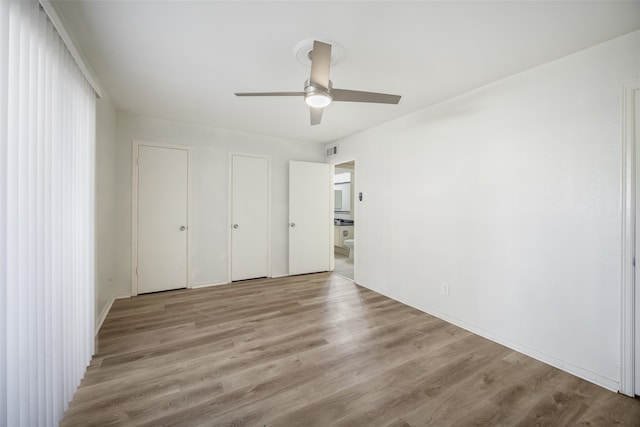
(103, 315)
(585, 374)
(105, 312)
(206, 285)
(277, 276)
(563, 365)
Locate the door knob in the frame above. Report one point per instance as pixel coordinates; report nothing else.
(235, 225)
(182, 228)
(293, 224)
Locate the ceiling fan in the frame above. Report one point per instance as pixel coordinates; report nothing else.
(318, 90)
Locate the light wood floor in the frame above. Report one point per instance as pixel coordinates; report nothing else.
(317, 350)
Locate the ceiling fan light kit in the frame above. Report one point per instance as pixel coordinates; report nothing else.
(318, 91)
(318, 100)
(317, 97)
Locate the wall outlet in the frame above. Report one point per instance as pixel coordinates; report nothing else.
(445, 288)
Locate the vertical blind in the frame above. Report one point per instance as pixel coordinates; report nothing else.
(47, 142)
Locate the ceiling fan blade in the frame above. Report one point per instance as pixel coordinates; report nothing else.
(269, 93)
(320, 63)
(358, 96)
(316, 115)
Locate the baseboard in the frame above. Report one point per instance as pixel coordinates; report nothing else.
(103, 315)
(563, 365)
(206, 285)
(105, 312)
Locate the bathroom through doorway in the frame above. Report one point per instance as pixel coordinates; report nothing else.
(344, 219)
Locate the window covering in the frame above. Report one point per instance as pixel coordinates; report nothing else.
(47, 150)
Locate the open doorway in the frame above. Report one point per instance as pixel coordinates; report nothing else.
(344, 225)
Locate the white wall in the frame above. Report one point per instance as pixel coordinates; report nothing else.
(209, 175)
(511, 194)
(105, 207)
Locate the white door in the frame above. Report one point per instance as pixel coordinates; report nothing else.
(249, 217)
(162, 218)
(310, 217)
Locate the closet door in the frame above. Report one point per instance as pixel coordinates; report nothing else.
(249, 217)
(162, 219)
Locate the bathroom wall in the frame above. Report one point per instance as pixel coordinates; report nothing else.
(347, 196)
(208, 246)
(514, 202)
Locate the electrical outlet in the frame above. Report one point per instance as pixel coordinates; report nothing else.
(445, 288)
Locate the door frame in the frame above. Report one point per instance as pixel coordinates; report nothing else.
(134, 207)
(353, 208)
(630, 305)
(230, 209)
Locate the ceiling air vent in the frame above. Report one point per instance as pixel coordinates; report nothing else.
(332, 150)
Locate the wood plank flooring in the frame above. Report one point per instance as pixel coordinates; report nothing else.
(317, 350)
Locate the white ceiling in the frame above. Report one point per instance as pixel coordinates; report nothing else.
(183, 60)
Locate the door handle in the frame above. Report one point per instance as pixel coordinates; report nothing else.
(293, 224)
(182, 228)
(235, 225)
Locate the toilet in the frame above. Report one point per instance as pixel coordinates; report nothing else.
(349, 243)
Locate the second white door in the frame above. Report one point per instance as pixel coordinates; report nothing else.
(310, 217)
(249, 217)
